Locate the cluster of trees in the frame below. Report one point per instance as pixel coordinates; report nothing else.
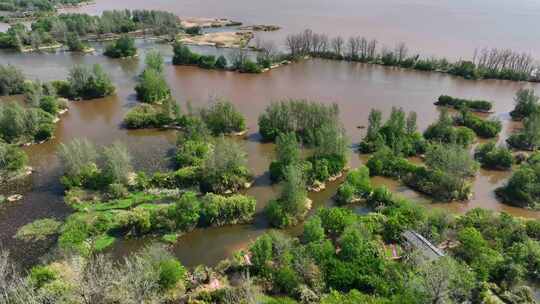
(493, 157)
(154, 116)
(70, 28)
(301, 117)
(22, 124)
(527, 109)
(34, 6)
(521, 188)
(461, 103)
(492, 64)
(240, 60)
(443, 130)
(11, 80)
(342, 252)
(85, 82)
(399, 132)
(219, 163)
(152, 86)
(294, 122)
(445, 176)
(483, 128)
(86, 167)
(123, 47)
(12, 161)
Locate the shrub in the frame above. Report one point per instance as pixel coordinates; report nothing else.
(356, 186)
(121, 48)
(142, 116)
(221, 63)
(41, 275)
(519, 190)
(527, 138)
(291, 206)
(222, 117)
(458, 103)
(482, 128)
(183, 55)
(12, 159)
(170, 273)
(187, 211)
(11, 80)
(219, 210)
(192, 153)
(492, 157)
(207, 62)
(225, 167)
(287, 153)
(49, 104)
(398, 132)
(443, 131)
(38, 230)
(194, 30)
(86, 82)
(249, 66)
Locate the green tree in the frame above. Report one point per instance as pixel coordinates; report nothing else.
(225, 167)
(154, 60)
(11, 80)
(287, 153)
(526, 102)
(116, 163)
(74, 43)
(222, 117)
(152, 87)
(121, 48)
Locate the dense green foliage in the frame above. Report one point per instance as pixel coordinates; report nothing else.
(86, 82)
(445, 176)
(443, 131)
(225, 167)
(11, 80)
(152, 86)
(293, 204)
(222, 117)
(459, 103)
(20, 124)
(184, 56)
(483, 128)
(527, 138)
(12, 160)
(526, 103)
(521, 188)
(38, 230)
(121, 48)
(153, 116)
(85, 167)
(398, 132)
(302, 117)
(70, 28)
(287, 153)
(357, 186)
(492, 157)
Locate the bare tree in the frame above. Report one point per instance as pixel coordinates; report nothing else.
(337, 45)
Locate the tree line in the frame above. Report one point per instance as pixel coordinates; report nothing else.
(485, 64)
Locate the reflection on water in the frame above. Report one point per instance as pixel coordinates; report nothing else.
(355, 87)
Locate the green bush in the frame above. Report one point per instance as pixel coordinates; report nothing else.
(142, 116)
(41, 275)
(170, 273)
(443, 131)
(187, 211)
(11, 80)
(85, 82)
(12, 159)
(526, 103)
(305, 119)
(356, 186)
(399, 132)
(482, 128)
(38, 230)
(459, 103)
(492, 157)
(222, 117)
(121, 48)
(152, 87)
(219, 210)
(50, 105)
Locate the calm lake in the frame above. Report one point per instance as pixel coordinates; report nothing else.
(449, 28)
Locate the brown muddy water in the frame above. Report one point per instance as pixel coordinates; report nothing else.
(355, 87)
